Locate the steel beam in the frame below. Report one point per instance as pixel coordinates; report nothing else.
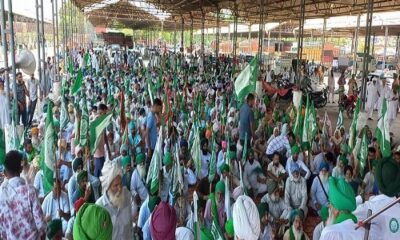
(12, 57)
(261, 33)
(182, 35)
(355, 48)
(300, 42)
(323, 42)
(366, 58)
(385, 47)
(5, 48)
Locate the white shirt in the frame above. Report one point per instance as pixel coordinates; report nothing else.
(50, 207)
(205, 161)
(33, 89)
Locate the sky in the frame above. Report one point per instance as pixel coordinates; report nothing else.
(28, 8)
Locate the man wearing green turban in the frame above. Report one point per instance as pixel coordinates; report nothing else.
(92, 222)
(137, 186)
(266, 229)
(84, 189)
(215, 206)
(295, 231)
(166, 176)
(297, 157)
(323, 213)
(54, 230)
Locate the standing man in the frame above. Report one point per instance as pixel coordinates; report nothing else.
(4, 110)
(100, 153)
(152, 120)
(246, 116)
(372, 97)
(33, 86)
(21, 216)
(22, 93)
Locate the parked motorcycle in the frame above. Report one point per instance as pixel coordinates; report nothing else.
(348, 103)
(319, 95)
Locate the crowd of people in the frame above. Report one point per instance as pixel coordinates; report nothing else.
(169, 151)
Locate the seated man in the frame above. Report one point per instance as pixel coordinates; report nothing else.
(295, 158)
(296, 190)
(296, 226)
(320, 188)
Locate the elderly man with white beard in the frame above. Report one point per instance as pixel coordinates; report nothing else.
(295, 232)
(138, 187)
(296, 190)
(117, 201)
(278, 210)
(320, 188)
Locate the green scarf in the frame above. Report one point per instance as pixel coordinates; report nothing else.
(291, 235)
(343, 216)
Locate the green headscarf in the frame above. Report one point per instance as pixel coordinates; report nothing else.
(343, 159)
(139, 158)
(224, 168)
(53, 228)
(295, 149)
(387, 174)
(92, 222)
(125, 161)
(81, 176)
(294, 213)
(220, 187)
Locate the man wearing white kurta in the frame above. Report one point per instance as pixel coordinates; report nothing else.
(372, 97)
(393, 106)
(55, 206)
(296, 191)
(383, 90)
(138, 188)
(117, 201)
(251, 173)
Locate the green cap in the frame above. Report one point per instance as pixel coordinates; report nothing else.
(139, 158)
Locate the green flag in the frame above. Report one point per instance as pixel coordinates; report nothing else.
(97, 128)
(64, 118)
(2, 146)
(353, 126)
(305, 134)
(382, 131)
(297, 130)
(84, 127)
(213, 161)
(215, 227)
(86, 59)
(152, 179)
(77, 83)
(339, 122)
(70, 66)
(246, 81)
(48, 152)
(196, 151)
(363, 156)
(313, 122)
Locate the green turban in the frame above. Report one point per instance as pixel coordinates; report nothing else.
(294, 214)
(387, 174)
(153, 201)
(229, 228)
(224, 168)
(341, 194)
(205, 234)
(343, 159)
(125, 161)
(324, 213)
(167, 160)
(92, 222)
(220, 187)
(232, 155)
(81, 176)
(262, 209)
(53, 228)
(295, 149)
(271, 187)
(139, 158)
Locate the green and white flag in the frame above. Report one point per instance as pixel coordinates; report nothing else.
(246, 81)
(298, 125)
(305, 134)
(196, 218)
(97, 128)
(64, 118)
(339, 122)
(84, 127)
(213, 161)
(353, 126)
(2, 146)
(382, 131)
(152, 179)
(363, 156)
(48, 152)
(313, 122)
(195, 151)
(215, 228)
(77, 83)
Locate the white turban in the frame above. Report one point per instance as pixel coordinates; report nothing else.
(237, 192)
(183, 233)
(110, 171)
(246, 220)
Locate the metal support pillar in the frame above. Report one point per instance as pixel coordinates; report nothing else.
(203, 15)
(385, 47)
(397, 47)
(261, 33)
(235, 33)
(53, 10)
(366, 58)
(5, 49)
(217, 35)
(355, 48)
(57, 57)
(175, 38)
(373, 45)
(43, 48)
(323, 42)
(249, 38)
(300, 41)
(12, 58)
(38, 42)
(64, 30)
(280, 38)
(182, 35)
(191, 33)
